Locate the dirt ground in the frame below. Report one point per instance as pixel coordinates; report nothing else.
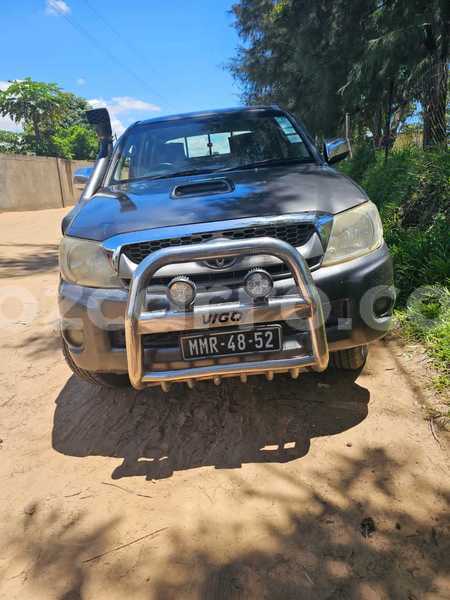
(239, 491)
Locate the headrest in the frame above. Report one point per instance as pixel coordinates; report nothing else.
(248, 146)
(241, 143)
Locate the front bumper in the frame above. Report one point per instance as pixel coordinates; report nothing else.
(364, 287)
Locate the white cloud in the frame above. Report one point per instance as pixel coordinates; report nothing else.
(56, 8)
(123, 106)
(4, 85)
(81, 81)
(124, 103)
(6, 123)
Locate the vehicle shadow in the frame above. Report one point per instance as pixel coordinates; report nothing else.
(156, 434)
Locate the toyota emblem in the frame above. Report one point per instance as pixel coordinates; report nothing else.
(222, 262)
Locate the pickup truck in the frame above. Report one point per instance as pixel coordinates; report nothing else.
(219, 244)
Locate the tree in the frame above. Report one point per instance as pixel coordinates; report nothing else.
(37, 105)
(297, 53)
(409, 49)
(49, 115)
(374, 59)
(11, 142)
(76, 141)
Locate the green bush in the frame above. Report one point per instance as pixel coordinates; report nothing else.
(76, 141)
(363, 157)
(412, 192)
(421, 256)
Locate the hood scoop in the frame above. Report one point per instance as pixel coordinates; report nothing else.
(204, 187)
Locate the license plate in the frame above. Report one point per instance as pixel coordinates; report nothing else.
(226, 343)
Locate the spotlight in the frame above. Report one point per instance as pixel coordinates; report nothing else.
(182, 291)
(258, 284)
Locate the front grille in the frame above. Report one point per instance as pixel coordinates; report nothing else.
(295, 234)
(235, 277)
(337, 309)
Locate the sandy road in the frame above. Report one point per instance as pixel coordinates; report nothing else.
(253, 491)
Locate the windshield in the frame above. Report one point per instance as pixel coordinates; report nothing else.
(207, 144)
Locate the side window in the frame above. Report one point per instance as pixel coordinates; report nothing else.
(220, 143)
(294, 145)
(198, 146)
(123, 169)
(288, 130)
(203, 145)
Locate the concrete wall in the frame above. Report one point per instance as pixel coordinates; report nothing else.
(37, 182)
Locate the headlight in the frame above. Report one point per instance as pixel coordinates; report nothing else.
(355, 232)
(85, 262)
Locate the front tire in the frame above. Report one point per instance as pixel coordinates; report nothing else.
(105, 380)
(351, 359)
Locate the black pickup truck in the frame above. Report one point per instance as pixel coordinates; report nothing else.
(219, 244)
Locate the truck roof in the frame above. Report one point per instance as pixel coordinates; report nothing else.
(209, 113)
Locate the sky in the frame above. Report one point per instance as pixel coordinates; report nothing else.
(140, 58)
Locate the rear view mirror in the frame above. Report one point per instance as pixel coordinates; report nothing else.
(336, 150)
(81, 176)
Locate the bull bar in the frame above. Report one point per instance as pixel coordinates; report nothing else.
(303, 304)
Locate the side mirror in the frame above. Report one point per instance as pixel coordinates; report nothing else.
(101, 122)
(82, 175)
(336, 150)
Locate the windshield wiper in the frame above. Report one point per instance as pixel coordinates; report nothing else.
(253, 165)
(168, 175)
(267, 163)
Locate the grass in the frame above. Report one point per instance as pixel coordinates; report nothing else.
(427, 319)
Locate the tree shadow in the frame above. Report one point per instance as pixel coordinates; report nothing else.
(319, 551)
(29, 259)
(52, 549)
(294, 538)
(156, 434)
(36, 345)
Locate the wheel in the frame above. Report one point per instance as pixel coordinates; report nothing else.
(351, 359)
(107, 380)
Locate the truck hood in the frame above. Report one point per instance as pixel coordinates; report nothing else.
(271, 191)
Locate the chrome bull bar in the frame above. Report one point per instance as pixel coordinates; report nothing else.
(304, 304)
